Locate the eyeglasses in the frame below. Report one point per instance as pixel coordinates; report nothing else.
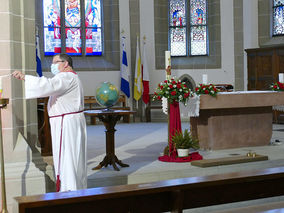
(55, 62)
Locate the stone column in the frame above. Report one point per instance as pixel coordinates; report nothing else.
(25, 169)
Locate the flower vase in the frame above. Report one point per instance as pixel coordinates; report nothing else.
(174, 125)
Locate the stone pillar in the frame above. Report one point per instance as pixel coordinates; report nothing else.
(25, 169)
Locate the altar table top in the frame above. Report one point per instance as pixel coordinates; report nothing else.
(242, 99)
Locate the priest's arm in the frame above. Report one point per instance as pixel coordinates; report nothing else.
(37, 87)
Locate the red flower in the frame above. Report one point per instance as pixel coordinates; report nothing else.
(159, 97)
(275, 86)
(206, 91)
(155, 93)
(165, 81)
(178, 86)
(173, 93)
(171, 86)
(184, 86)
(186, 95)
(161, 87)
(196, 89)
(174, 82)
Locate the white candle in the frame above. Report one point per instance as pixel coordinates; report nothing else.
(204, 78)
(167, 58)
(281, 77)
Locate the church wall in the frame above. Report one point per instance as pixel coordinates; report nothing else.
(224, 74)
(250, 31)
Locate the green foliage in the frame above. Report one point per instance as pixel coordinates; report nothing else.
(184, 140)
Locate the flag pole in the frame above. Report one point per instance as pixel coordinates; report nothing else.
(3, 103)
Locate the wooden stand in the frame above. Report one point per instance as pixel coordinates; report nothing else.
(109, 118)
(3, 103)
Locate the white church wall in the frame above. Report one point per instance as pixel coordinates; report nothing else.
(250, 16)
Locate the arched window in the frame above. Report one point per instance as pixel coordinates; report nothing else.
(188, 31)
(278, 17)
(73, 27)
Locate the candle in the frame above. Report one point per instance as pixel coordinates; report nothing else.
(281, 77)
(167, 58)
(204, 78)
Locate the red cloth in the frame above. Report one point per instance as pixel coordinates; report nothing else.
(193, 156)
(175, 125)
(145, 95)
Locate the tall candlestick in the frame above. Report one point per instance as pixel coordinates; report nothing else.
(167, 58)
(1, 89)
(281, 77)
(204, 78)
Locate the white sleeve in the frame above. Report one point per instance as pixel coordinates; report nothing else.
(37, 87)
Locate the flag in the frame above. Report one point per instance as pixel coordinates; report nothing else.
(124, 73)
(146, 79)
(138, 75)
(38, 60)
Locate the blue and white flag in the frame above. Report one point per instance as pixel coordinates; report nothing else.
(38, 60)
(124, 73)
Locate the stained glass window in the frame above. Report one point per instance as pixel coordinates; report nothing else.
(188, 27)
(93, 27)
(52, 27)
(278, 17)
(69, 36)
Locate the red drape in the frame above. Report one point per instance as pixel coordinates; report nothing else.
(174, 126)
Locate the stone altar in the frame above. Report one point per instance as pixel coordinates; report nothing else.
(235, 119)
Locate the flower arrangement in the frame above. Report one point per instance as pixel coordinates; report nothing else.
(209, 89)
(278, 86)
(174, 90)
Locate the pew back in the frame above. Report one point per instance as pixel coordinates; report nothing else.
(170, 195)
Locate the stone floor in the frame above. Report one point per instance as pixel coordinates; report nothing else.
(140, 144)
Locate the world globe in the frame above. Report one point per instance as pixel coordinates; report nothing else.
(107, 94)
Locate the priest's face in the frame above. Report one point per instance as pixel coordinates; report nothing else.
(61, 63)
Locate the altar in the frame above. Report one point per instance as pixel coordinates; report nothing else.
(235, 119)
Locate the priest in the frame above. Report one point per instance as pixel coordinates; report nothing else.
(67, 120)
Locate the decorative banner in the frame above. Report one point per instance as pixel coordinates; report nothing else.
(204, 78)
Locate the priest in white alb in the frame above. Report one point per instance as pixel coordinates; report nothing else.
(67, 120)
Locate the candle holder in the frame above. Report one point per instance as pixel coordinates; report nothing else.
(3, 104)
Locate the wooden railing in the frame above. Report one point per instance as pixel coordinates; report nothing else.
(170, 195)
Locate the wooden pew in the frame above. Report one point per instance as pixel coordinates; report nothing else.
(170, 195)
(91, 103)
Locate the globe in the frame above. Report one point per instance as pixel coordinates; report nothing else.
(106, 94)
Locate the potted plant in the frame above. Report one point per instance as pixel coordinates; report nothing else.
(183, 141)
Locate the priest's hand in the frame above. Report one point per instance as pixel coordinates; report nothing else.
(19, 75)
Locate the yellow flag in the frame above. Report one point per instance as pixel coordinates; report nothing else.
(138, 75)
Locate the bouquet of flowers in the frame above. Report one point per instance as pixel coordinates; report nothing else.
(209, 89)
(174, 90)
(277, 86)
